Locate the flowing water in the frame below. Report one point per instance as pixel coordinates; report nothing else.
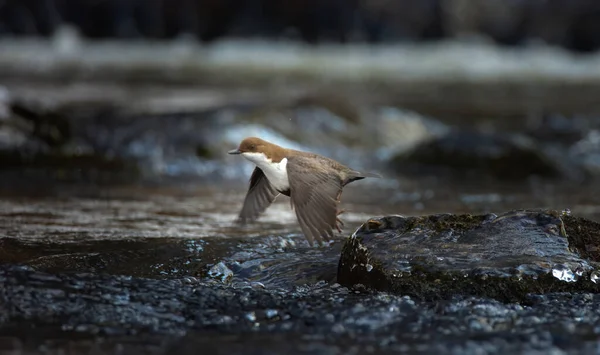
(189, 230)
(182, 236)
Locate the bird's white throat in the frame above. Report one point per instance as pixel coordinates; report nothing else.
(275, 172)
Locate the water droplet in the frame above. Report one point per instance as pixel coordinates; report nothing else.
(251, 316)
(563, 273)
(195, 246)
(595, 277)
(338, 328)
(271, 313)
(190, 280)
(369, 267)
(220, 271)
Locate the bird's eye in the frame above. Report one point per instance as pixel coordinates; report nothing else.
(252, 146)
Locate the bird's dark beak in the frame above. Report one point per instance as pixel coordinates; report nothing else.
(235, 151)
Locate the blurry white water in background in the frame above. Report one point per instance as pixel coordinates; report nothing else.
(474, 60)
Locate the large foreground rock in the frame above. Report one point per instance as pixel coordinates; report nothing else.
(505, 257)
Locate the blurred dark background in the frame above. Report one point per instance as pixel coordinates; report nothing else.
(159, 89)
(573, 24)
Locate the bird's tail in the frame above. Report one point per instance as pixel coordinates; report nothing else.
(357, 175)
(371, 175)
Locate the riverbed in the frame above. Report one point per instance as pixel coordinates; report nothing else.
(117, 233)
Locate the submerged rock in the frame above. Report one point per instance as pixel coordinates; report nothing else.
(574, 141)
(497, 155)
(268, 261)
(504, 257)
(586, 152)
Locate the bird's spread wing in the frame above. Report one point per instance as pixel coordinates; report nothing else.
(313, 196)
(260, 196)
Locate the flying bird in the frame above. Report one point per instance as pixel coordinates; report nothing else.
(314, 184)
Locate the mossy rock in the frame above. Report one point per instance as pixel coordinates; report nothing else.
(505, 257)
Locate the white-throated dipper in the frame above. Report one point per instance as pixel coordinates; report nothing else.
(314, 184)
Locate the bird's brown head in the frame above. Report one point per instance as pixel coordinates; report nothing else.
(249, 145)
(257, 145)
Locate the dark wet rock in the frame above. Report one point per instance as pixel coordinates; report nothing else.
(398, 130)
(572, 140)
(504, 257)
(464, 152)
(98, 141)
(118, 273)
(66, 167)
(51, 128)
(583, 236)
(273, 262)
(106, 314)
(560, 129)
(22, 129)
(113, 305)
(153, 139)
(586, 152)
(338, 128)
(143, 257)
(35, 140)
(177, 235)
(140, 141)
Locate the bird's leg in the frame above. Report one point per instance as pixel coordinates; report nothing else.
(339, 224)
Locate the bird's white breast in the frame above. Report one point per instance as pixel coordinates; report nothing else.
(275, 172)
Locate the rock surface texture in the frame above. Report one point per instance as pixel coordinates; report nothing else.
(505, 257)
